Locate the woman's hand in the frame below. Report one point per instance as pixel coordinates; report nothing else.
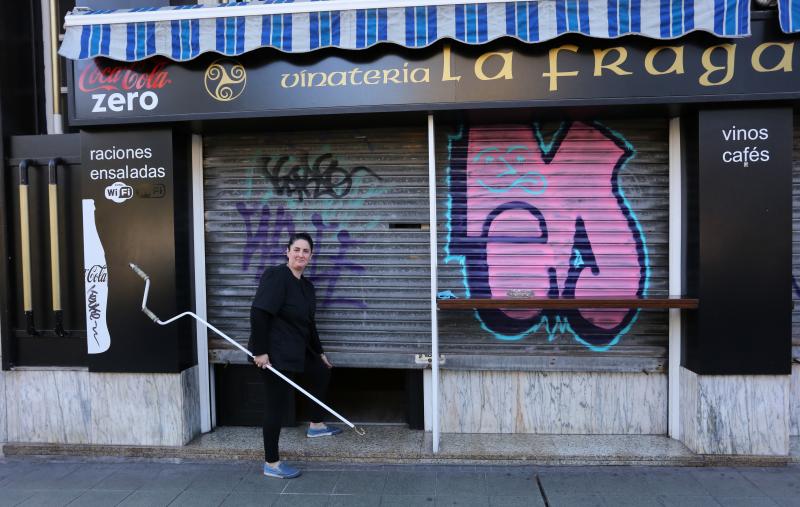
(325, 361)
(262, 361)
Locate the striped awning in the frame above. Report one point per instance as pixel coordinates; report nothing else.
(184, 32)
(789, 11)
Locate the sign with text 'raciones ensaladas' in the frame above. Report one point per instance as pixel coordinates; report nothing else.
(128, 216)
(568, 71)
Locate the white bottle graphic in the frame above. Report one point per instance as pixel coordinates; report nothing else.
(96, 283)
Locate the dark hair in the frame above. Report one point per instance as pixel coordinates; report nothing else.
(300, 235)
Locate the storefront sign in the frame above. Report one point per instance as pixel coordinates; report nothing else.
(744, 243)
(128, 216)
(574, 71)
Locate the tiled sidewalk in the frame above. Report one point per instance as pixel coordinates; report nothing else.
(37, 482)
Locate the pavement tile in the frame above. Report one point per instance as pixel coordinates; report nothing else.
(407, 500)
(361, 482)
(630, 501)
(516, 501)
(508, 484)
(46, 477)
(461, 483)
(301, 500)
(410, 483)
(15, 470)
(257, 482)
(688, 501)
(313, 482)
(619, 483)
(761, 501)
(86, 476)
(216, 479)
(725, 483)
(99, 498)
(670, 481)
(150, 498)
(462, 500)
(9, 497)
(560, 500)
(354, 500)
(250, 499)
(127, 479)
(775, 482)
(568, 483)
(199, 498)
(50, 498)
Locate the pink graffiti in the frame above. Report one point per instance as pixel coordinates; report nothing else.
(550, 218)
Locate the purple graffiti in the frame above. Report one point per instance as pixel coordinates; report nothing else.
(548, 220)
(266, 245)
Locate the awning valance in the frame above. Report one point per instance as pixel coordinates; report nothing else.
(789, 11)
(184, 32)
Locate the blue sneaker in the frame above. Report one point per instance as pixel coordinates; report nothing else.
(327, 431)
(282, 471)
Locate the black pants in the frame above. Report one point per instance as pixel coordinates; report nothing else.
(314, 379)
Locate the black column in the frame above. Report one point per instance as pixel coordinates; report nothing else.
(739, 241)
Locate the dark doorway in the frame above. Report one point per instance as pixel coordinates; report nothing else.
(362, 395)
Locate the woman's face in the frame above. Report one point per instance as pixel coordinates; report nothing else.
(299, 254)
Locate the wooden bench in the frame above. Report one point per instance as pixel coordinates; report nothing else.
(651, 302)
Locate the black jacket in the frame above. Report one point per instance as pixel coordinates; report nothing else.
(282, 320)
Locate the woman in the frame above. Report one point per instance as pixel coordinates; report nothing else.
(284, 335)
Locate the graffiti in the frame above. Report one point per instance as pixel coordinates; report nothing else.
(550, 220)
(302, 180)
(266, 231)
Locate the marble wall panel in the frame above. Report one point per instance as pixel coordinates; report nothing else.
(553, 402)
(687, 382)
(137, 409)
(3, 410)
(191, 403)
(794, 402)
(74, 406)
(48, 406)
(735, 414)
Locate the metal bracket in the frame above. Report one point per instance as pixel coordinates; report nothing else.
(427, 359)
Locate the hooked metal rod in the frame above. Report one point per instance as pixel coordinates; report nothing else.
(158, 321)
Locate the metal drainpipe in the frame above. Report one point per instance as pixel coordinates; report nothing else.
(434, 288)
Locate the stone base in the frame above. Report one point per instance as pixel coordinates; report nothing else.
(560, 403)
(794, 402)
(735, 414)
(48, 405)
(3, 410)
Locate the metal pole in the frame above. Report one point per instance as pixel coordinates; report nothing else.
(434, 285)
(55, 258)
(675, 276)
(58, 127)
(198, 238)
(25, 247)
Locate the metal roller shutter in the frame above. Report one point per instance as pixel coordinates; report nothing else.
(553, 210)
(362, 195)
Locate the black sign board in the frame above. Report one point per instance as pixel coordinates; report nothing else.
(743, 244)
(569, 71)
(128, 216)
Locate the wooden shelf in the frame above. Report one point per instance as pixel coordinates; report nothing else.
(656, 302)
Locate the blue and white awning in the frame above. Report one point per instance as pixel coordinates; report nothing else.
(182, 33)
(789, 12)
